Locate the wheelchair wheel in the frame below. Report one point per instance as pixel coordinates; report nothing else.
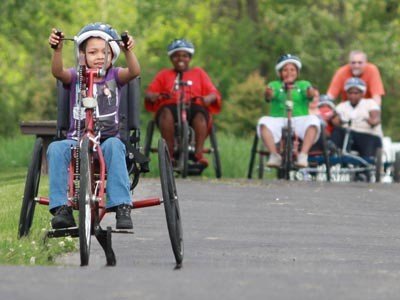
(31, 189)
(171, 202)
(184, 150)
(396, 168)
(253, 154)
(378, 165)
(149, 138)
(85, 199)
(215, 152)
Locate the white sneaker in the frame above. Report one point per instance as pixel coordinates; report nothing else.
(274, 161)
(302, 160)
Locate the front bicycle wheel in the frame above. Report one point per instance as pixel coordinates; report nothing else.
(85, 200)
(171, 201)
(31, 189)
(184, 151)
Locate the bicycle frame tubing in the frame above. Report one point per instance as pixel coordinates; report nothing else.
(89, 76)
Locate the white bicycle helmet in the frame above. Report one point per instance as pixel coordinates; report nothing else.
(356, 83)
(286, 59)
(180, 45)
(101, 30)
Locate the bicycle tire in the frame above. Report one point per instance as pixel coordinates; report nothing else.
(253, 153)
(325, 152)
(215, 152)
(378, 165)
(148, 138)
(171, 202)
(396, 168)
(287, 164)
(184, 150)
(31, 190)
(85, 197)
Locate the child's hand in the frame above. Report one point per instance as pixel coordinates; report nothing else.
(55, 39)
(269, 93)
(129, 44)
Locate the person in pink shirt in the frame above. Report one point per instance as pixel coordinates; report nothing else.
(359, 67)
(161, 97)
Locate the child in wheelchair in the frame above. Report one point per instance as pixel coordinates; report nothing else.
(162, 98)
(91, 40)
(301, 92)
(360, 118)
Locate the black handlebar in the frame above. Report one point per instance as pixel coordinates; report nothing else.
(59, 34)
(125, 39)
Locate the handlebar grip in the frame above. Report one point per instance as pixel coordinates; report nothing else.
(59, 34)
(125, 39)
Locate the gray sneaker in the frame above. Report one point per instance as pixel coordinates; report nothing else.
(302, 160)
(274, 161)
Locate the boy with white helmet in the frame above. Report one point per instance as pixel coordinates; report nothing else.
(92, 47)
(301, 92)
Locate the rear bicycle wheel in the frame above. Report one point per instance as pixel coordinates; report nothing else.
(31, 190)
(85, 200)
(215, 152)
(171, 201)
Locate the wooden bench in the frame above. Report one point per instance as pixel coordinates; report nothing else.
(44, 129)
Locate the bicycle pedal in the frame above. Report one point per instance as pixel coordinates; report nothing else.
(62, 232)
(126, 231)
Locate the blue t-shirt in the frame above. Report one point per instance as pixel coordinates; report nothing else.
(108, 94)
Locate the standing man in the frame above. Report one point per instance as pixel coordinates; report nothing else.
(358, 66)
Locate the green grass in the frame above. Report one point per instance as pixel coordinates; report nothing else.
(15, 152)
(32, 249)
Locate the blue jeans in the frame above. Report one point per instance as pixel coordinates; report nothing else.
(59, 158)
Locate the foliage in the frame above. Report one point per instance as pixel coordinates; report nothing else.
(233, 39)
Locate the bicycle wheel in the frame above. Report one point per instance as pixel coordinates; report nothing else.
(31, 189)
(287, 153)
(148, 138)
(171, 202)
(261, 158)
(325, 152)
(378, 165)
(253, 153)
(215, 152)
(85, 199)
(184, 150)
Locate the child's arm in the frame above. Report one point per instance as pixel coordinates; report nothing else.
(133, 69)
(57, 68)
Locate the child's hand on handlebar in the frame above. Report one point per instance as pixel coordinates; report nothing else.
(55, 39)
(127, 43)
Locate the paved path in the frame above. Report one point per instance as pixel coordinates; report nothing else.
(243, 240)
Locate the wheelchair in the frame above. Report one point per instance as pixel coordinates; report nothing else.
(86, 190)
(184, 140)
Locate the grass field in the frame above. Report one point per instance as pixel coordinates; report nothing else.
(14, 160)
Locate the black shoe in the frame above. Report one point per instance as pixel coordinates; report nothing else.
(123, 216)
(63, 217)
